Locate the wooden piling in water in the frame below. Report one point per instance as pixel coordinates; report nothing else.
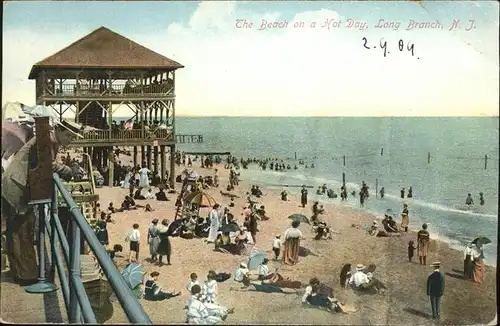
(344, 160)
(485, 161)
(428, 157)
(343, 179)
(382, 152)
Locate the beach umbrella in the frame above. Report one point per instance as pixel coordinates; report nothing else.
(480, 241)
(133, 274)
(299, 218)
(230, 227)
(256, 259)
(201, 199)
(14, 136)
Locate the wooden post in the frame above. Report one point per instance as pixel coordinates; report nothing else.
(376, 188)
(172, 166)
(143, 156)
(343, 179)
(382, 152)
(135, 156)
(428, 157)
(295, 156)
(163, 168)
(111, 167)
(344, 160)
(485, 161)
(155, 157)
(149, 157)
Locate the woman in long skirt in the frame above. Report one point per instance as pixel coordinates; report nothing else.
(164, 247)
(153, 239)
(423, 239)
(468, 261)
(292, 244)
(478, 266)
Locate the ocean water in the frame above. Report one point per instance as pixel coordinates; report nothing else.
(457, 165)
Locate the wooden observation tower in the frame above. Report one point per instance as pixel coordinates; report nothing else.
(102, 72)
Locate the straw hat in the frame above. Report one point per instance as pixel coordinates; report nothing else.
(374, 222)
(360, 267)
(436, 264)
(278, 235)
(244, 265)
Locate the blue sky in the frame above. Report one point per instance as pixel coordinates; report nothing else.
(457, 71)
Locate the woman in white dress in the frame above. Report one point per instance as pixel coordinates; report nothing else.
(126, 181)
(214, 224)
(144, 178)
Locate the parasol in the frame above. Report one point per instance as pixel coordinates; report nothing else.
(201, 199)
(230, 227)
(344, 273)
(133, 274)
(480, 241)
(299, 218)
(14, 136)
(256, 259)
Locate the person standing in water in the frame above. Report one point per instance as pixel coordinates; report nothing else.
(382, 192)
(303, 196)
(469, 201)
(481, 199)
(405, 219)
(403, 193)
(410, 193)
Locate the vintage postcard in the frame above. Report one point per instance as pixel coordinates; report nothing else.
(250, 162)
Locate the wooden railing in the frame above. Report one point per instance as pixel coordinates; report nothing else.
(75, 90)
(160, 134)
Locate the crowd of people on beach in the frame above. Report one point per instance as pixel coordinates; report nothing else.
(237, 234)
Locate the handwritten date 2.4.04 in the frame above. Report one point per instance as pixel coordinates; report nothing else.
(401, 46)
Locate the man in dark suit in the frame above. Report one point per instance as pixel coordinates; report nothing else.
(435, 289)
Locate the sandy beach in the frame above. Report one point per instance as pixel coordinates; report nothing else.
(405, 301)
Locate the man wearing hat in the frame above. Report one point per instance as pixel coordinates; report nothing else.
(19, 216)
(435, 289)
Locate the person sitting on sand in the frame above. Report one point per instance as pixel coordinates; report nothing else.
(261, 212)
(284, 196)
(365, 281)
(161, 196)
(242, 274)
(374, 230)
(149, 194)
(263, 271)
(138, 195)
(204, 313)
(231, 204)
(244, 236)
(153, 292)
(322, 231)
(111, 209)
(258, 192)
(148, 208)
(319, 191)
(116, 248)
(390, 225)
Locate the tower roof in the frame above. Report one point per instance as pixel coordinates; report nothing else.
(105, 49)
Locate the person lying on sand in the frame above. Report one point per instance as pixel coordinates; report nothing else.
(265, 288)
(148, 208)
(313, 297)
(228, 194)
(374, 230)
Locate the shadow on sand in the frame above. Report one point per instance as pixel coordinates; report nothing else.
(457, 276)
(417, 312)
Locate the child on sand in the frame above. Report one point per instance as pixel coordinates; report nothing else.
(277, 246)
(411, 250)
(134, 238)
(263, 270)
(193, 280)
(210, 287)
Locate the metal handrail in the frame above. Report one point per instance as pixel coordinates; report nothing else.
(75, 297)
